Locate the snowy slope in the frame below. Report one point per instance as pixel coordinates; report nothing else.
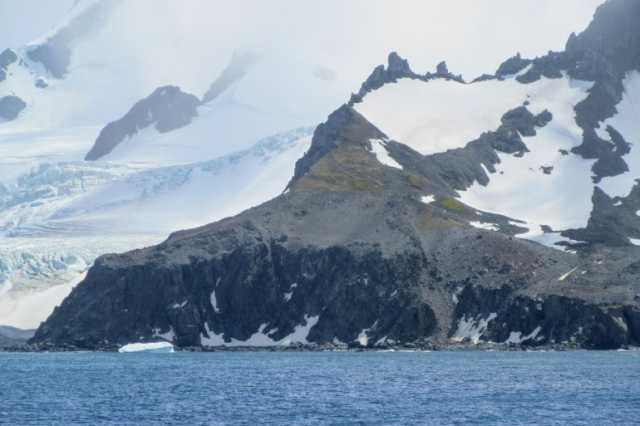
(442, 114)
(58, 212)
(547, 185)
(251, 108)
(56, 219)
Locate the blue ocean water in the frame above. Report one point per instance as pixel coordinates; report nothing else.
(434, 388)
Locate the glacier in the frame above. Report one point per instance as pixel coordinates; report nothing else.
(58, 218)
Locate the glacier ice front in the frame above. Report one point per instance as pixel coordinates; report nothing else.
(156, 347)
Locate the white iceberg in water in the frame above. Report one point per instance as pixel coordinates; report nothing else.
(160, 347)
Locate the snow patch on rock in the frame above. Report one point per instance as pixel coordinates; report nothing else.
(379, 148)
(485, 226)
(516, 338)
(563, 277)
(428, 199)
(260, 338)
(472, 329)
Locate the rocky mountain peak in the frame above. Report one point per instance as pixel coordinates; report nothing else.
(398, 66)
(330, 135)
(442, 68)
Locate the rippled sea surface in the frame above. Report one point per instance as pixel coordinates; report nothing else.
(434, 388)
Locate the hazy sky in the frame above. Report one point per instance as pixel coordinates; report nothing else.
(189, 42)
(24, 20)
(473, 35)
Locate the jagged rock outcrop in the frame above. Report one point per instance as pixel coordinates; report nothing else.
(512, 66)
(11, 107)
(613, 222)
(167, 108)
(398, 68)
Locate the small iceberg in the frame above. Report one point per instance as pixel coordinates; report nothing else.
(157, 347)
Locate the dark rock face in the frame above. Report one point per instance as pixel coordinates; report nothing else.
(442, 68)
(549, 66)
(167, 108)
(7, 57)
(610, 44)
(11, 107)
(327, 137)
(398, 68)
(544, 321)
(343, 290)
(612, 221)
(512, 66)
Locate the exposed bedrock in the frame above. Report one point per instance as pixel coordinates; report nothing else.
(504, 316)
(398, 68)
(167, 108)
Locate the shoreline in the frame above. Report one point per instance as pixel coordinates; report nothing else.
(482, 347)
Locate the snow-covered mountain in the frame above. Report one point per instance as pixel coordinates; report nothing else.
(409, 220)
(232, 148)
